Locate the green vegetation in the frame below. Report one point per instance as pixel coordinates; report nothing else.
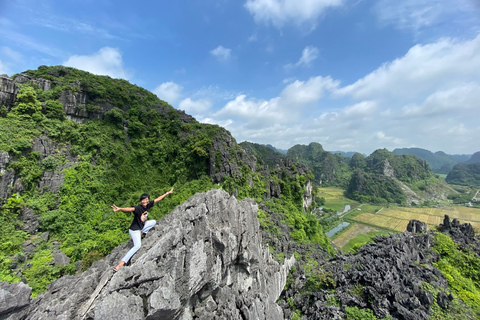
(329, 169)
(439, 161)
(461, 268)
(379, 179)
(264, 154)
(455, 310)
(465, 174)
(355, 313)
(354, 244)
(141, 144)
(10, 237)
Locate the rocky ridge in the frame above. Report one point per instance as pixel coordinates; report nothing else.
(205, 260)
(386, 276)
(225, 156)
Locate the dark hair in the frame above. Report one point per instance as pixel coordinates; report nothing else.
(144, 196)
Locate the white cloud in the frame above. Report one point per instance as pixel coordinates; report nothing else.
(420, 15)
(27, 42)
(9, 58)
(386, 139)
(221, 53)
(197, 108)
(454, 100)
(169, 92)
(254, 111)
(424, 68)
(253, 37)
(280, 12)
(282, 109)
(309, 54)
(361, 109)
(107, 61)
(427, 98)
(299, 92)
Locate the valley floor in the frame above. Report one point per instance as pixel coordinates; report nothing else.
(365, 221)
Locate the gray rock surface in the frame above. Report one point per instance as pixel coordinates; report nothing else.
(205, 260)
(8, 91)
(60, 259)
(13, 296)
(7, 177)
(385, 276)
(31, 221)
(44, 84)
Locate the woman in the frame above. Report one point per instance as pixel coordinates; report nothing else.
(140, 225)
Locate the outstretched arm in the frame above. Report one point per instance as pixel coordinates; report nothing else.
(127, 209)
(163, 195)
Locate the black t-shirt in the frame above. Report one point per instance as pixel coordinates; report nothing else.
(137, 223)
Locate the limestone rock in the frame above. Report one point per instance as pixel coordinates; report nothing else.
(7, 177)
(416, 226)
(60, 259)
(31, 221)
(8, 91)
(13, 296)
(44, 84)
(205, 260)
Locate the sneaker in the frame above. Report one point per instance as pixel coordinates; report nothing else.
(143, 235)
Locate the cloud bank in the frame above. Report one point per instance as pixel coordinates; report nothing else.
(107, 61)
(428, 98)
(281, 12)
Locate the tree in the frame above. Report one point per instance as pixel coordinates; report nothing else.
(27, 104)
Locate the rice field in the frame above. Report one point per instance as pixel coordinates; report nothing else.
(352, 232)
(334, 198)
(397, 218)
(368, 220)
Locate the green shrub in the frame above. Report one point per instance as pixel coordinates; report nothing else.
(41, 273)
(461, 268)
(320, 279)
(355, 313)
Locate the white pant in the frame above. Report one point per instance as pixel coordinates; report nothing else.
(137, 238)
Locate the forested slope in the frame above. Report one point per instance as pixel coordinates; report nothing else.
(73, 143)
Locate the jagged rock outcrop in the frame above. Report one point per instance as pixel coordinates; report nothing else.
(223, 160)
(51, 179)
(7, 177)
(416, 226)
(8, 91)
(226, 158)
(13, 296)
(205, 260)
(386, 276)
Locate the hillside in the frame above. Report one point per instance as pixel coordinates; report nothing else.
(236, 240)
(439, 162)
(208, 259)
(73, 143)
(475, 158)
(266, 155)
(465, 175)
(329, 169)
(384, 177)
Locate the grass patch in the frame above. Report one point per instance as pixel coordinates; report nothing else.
(360, 240)
(334, 198)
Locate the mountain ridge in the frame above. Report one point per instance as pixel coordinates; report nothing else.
(60, 177)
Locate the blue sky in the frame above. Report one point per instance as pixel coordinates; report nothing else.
(352, 75)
